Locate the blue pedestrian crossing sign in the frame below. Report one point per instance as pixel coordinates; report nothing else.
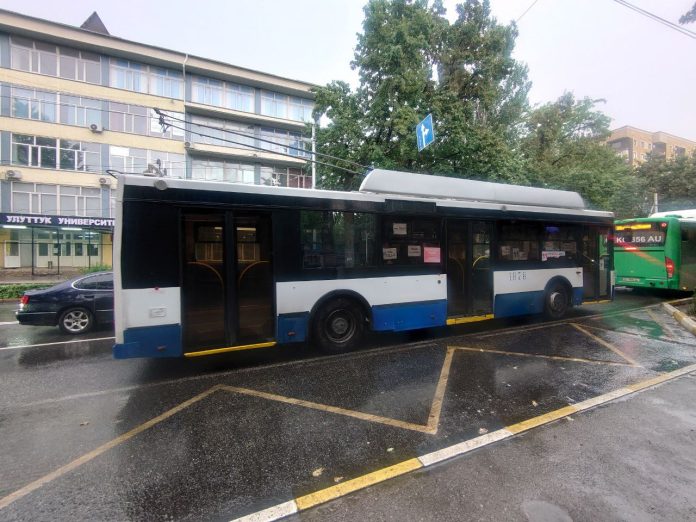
(425, 133)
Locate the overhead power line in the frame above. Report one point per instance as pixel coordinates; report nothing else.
(526, 11)
(261, 149)
(658, 19)
(250, 135)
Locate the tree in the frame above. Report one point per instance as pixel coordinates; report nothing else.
(689, 16)
(565, 148)
(412, 62)
(674, 181)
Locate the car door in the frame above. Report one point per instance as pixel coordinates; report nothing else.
(96, 293)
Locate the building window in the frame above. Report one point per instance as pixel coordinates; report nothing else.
(128, 118)
(301, 109)
(274, 104)
(239, 97)
(207, 91)
(33, 104)
(77, 155)
(30, 198)
(223, 133)
(231, 172)
(222, 94)
(285, 142)
(138, 77)
(136, 161)
(33, 151)
(77, 110)
(49, 59)
(285, 177)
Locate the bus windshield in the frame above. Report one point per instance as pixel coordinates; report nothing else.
(641, 235)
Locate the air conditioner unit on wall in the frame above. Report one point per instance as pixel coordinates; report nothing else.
(13, 175)
(96, 128)
(105, 182)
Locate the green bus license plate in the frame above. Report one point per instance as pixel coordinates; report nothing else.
(630, 280)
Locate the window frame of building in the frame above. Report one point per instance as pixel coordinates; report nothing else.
(54, 60)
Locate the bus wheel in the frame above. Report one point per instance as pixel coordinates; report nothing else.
(339, 326)
(556, 301)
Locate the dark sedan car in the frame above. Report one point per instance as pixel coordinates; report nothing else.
(75, 305)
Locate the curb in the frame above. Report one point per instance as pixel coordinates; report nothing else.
(305, 502)
(683, 319)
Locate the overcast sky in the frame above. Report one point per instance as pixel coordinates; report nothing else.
(598, 48)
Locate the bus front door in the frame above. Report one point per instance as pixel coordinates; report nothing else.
(227, 287)
(469, 278)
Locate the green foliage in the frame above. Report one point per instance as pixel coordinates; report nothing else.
(674, 181)
(565, 149)
(412, 62)
(16, 290)
(95, 268)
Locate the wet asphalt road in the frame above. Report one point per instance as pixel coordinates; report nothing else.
(223, 437)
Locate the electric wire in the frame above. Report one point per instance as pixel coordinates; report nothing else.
(526, 11)
(261, 149)
(658, 19)
(229, 131)
(249, 135)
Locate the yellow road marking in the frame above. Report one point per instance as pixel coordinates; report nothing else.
(339, 490)
(438, 398)
(541, 356)
(331, 409)
(33, 486)
(605, 344)
(231, 349)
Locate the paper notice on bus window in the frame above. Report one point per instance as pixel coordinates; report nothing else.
(552, 254)
(505, 250)
(431, 254)
(400, 229)
(414, 250)
(388, 254)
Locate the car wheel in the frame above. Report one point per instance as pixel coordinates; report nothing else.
(338, 326)
(556, 301)
(76, 321)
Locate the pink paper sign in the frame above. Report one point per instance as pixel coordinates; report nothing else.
(431, 254)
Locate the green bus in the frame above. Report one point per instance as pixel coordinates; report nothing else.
(657, 252)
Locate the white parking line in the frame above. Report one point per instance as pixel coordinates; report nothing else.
(9, 322)
(56, 343)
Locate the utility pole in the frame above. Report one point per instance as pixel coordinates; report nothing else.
(314, 155)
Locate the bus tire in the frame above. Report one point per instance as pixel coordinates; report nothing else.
(338, 325)
(556, 300)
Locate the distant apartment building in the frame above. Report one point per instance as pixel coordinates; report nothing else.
(634, 145)
(76, 102)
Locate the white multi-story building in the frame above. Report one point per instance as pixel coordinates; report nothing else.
(77, 102)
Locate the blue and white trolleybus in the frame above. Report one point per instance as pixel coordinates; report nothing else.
(207, 267)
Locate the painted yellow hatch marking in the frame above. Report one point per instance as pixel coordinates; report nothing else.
(231, 349)
(542, 356)
(32, 486)
(469, 319)
(606, 344)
